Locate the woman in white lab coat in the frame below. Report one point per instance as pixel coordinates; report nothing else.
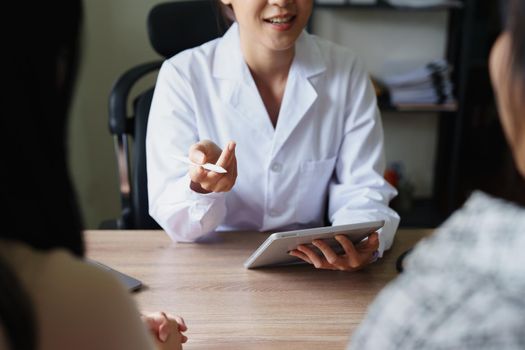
(302, 136)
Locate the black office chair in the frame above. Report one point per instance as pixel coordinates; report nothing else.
(172, 28)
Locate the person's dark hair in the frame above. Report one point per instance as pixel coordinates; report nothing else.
(40, 207)
(226, 17)
(16, 312)
(515, 24)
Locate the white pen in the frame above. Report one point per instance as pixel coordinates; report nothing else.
(207, 166)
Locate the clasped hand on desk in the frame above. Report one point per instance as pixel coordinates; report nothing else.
(166, 330)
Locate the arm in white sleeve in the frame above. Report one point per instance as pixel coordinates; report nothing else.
(358, 191)
(172, 128)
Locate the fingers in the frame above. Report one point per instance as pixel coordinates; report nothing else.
(373, 240)
(373, 256)
(163, 326)
(331, 257)
(227, 155)
(182, 328)
(225, 183)
(164, 331)
(300, 255)
(198, 174)
(197, 153)
(352, 254)
(182, 324)
(204, 181)
(370, 244)
(153, 320)
(354, 258)
(206, 151)
(311, 255)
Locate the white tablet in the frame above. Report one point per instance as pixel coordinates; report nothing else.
(274, 250)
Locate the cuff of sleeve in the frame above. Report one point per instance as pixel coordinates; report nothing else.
(201, 212)
(386, 233)
(200, 196)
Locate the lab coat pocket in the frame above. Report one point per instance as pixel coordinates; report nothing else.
(314, 178)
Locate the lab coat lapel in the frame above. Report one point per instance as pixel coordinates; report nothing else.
(300, 93)
(237, 88)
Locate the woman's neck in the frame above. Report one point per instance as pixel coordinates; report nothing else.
(269, 70)
(266, 64)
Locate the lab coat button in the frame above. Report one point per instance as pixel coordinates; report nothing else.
(277, 167)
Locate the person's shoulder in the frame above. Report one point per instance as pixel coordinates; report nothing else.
(61, 268)
(335, 53)
(483, 227)
(3, 338)
(481, 217)
(51, 270)
(90, 302)
(329, 46)
(62, 287)
(478, 255)
(342, 63)
(185, 61)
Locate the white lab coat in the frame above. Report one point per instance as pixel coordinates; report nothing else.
(326, 152)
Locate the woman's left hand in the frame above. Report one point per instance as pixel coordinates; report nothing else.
(355, 257)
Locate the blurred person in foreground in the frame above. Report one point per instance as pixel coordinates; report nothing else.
(50, 297)
(464, 287)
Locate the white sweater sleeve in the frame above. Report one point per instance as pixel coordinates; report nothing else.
(172, 128)
(358, 191)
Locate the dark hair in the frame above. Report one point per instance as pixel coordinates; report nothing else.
(515, 24)
(226, 17)
(16, 311)
(37, 194)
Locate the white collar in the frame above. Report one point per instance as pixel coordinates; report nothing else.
(229, 62)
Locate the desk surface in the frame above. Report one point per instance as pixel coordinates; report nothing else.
(228, 307)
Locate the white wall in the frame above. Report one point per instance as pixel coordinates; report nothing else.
(115, 39)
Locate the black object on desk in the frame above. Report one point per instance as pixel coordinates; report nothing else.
(400, 260)
(131, 283)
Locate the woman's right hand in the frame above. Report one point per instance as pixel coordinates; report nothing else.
(206, 181)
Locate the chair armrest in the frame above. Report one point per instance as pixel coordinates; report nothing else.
(118, 118)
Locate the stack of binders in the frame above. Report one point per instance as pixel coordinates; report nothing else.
(428, 85)
(423, 3)
(346, 2)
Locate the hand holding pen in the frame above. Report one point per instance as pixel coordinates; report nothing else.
(210, 178)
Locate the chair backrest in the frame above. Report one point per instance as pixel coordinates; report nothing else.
(139, 179)
(176, 26)
(172, 28)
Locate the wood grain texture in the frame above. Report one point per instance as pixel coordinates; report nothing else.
(228, 307)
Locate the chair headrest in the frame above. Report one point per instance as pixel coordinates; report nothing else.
(180, 25)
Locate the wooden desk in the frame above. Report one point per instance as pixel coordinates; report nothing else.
(228, 307)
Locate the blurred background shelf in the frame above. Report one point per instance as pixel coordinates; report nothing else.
(470, 151)
(424, 213)
(383, 5)
(433, 209)
(413, 108)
